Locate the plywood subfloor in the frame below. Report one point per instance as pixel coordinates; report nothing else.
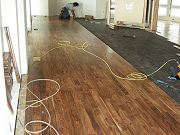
(92, 101)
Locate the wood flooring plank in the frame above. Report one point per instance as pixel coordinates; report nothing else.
(91, 100)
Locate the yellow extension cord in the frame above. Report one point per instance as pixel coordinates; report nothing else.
(132, 76)
(34, 105)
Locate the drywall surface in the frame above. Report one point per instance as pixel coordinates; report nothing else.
(129, 11)
(5, 116)
(3, 105)
(101, 9)
(39, 7)
(22, 35)
(89, 7)
(79, 10)
(96, 8)
(4, 113)
(10, 19)
(28, 15)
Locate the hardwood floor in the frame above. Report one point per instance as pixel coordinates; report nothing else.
(92, 101)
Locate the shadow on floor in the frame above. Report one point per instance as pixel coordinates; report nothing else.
(144, 50)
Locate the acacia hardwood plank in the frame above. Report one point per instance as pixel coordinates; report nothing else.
(92, 101)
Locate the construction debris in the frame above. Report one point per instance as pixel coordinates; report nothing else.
(36, 59)
(111, 26)
(89, 18)
(167, 85)
(129, 36)
(8, 78)
(95, 22)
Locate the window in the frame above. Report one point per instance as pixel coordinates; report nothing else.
(175, 12)
(163, 2)
(176, 3)
(162, 11)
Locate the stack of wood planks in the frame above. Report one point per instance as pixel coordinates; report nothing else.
(8, 76)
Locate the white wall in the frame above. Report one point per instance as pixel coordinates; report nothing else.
(4, 113)
(4, 124)
(39, 7)
(89, 7)
(97, 8)
(80, 9)
(10, 19)
(22, 35)
(28, 15)
(101, 9)
(129, 11)
(12, 14)
(15, 19)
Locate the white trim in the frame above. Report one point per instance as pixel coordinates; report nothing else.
(22, 35)
(15, 98)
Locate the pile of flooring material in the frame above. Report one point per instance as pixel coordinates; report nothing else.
(8, 76)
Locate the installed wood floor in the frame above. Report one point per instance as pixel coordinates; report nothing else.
(92, 101)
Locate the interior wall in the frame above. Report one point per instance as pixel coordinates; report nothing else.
(129, 11)
(4, 113)
(79, 11)
(22, 35)
(39, 7)
(10, 19)
(96, 8)
(101, 9)
(86, 7)
(89, 7)
(28, 14)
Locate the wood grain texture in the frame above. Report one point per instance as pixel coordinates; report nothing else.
(91, 100)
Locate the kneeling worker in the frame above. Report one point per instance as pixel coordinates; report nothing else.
(65, 10)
